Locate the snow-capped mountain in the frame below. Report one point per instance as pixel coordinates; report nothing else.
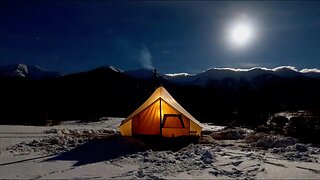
(212, 75)
(27, 71)
(203, 78)
(286, 72)
(112, 68)
(217, 75)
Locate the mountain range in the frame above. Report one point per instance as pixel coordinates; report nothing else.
(32, 95)
(201, 79)
(27, 71)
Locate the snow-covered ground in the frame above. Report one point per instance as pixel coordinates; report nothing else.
(94, 150)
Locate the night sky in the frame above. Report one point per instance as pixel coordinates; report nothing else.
(172, 36)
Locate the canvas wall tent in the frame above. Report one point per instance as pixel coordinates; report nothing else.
(160, 115)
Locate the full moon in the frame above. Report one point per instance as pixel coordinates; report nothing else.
(240, 34)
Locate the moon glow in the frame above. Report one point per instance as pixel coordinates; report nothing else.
(240, 34)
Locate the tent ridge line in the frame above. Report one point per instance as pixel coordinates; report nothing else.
(126, 120)
(186, 112)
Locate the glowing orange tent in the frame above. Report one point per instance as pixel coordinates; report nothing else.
(160, 115)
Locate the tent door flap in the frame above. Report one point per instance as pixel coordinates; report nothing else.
(179, 116)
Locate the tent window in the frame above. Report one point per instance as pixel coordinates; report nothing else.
(172, 121)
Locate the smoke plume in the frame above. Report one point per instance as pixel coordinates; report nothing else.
(145, 58)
